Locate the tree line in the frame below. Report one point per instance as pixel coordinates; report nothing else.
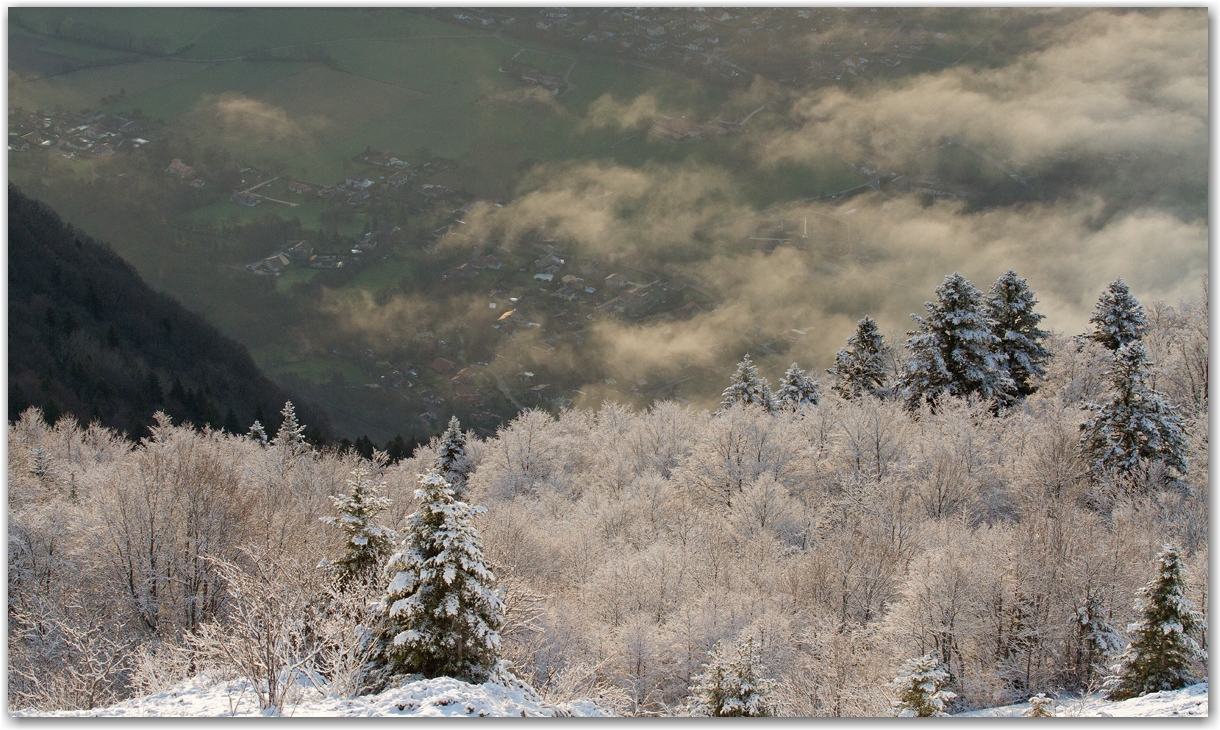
(828, 555)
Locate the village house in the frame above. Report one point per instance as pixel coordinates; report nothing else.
(272, 265)
(618, 280)
(469, 395)
(177, 167)
(198, 183)
(544, 277)
(465, 375)
(637, 299)
(570, 280)
(299, 187)
(442, 366)
(299, 248)
(548, 264)
(487, 262)
(241, 197)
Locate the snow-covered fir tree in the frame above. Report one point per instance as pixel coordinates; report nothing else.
(291, 434)
(860, 368)
(954, 351)
(366, 544)
(1010, 306)
(797, 389)
(1136, 428)
(257, 434)
(1040, 706)
(1162, 649)
(918, 686)
(451, 460)
(1119, 317)
(1099, 641)
(442, 612)
(747, 388)
(734, 684)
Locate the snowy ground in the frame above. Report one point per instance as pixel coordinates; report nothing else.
(441, 697)
(1186, 702)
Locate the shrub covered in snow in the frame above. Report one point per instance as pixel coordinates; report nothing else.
(733, 684)
(918, 686)
(1040, 706)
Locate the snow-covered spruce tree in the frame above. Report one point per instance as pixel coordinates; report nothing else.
(1162, 649)
(366, 545)
(860, 367)
(291, 434)
(1010, 306)
(954, 351)
(257, 434)
(797, 389)
(1040, 706)
(451, 459)
(1137, 427)
(733, 684)
(1119, 317)
(747, 388)
(442, 614)
(918, 686)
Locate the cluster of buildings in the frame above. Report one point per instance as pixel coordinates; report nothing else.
(92, 134)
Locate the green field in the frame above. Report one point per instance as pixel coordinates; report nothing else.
(276, 360)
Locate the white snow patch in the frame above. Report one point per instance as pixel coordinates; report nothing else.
(1186, 702)
(440, 697)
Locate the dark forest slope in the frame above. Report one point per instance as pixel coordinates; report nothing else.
(88, 337)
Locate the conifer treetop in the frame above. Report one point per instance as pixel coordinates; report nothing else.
(291, 434)
(797, 389)
(1119, 317)
(747, 387)
(954, 351)
(860, 367)
(1010, 307)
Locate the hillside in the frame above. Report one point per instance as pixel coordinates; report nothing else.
(440, 697)
(1186, 702)
(88, 337)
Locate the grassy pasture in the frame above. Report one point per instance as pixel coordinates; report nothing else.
(276, 27)
(174, 26)
(84, 89)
